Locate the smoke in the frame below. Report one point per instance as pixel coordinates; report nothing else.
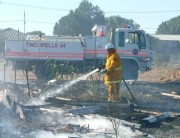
(7, 122)
(45, 134)
(100, 127)
(37, 101)
(166, 51)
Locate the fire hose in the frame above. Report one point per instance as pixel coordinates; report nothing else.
(129, 91)
(103, 67)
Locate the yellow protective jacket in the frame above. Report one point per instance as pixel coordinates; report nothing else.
(113, 68)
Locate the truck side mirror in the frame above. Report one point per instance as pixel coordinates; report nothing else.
(139, 46)
(112, 36)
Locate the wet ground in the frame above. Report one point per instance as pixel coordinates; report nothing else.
(148, 92)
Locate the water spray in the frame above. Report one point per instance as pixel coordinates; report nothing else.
(67, 85)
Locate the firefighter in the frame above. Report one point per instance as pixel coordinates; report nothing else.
(113, 73)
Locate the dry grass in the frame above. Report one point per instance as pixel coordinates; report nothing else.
(162, 74)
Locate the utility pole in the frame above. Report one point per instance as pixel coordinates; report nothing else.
(24, 22)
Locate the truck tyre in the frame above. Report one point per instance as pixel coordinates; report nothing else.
(130, 71)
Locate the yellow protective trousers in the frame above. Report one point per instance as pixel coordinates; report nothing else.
(113, 90)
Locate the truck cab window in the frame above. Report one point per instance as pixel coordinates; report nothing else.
(121, 39)
(137, 38)
(133, 38)
(142, 41)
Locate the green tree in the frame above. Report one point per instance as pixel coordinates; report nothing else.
(85, 17)
(119, 22)
(80, 21)
(170, 27)
(35, 33)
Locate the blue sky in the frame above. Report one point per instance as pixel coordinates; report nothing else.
(42, 14)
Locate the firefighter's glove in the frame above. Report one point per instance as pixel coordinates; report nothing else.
(103, 71)
(101, 67)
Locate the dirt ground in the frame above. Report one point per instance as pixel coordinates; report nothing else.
(156, 82)
(157, 90)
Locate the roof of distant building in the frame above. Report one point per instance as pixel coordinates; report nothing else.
(11, 34)
(167, 37)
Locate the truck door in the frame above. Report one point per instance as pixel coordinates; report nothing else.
(133, 43)
(127, 46)
(120, 44)
(128, 43)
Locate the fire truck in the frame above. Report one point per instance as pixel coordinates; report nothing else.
(84, 51)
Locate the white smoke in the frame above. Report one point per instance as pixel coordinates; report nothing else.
(101, 124)
(45, 134)
(99, 127)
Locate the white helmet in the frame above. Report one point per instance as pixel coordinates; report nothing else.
(109, 45)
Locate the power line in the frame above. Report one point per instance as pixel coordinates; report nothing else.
(46, 8)
(27, 21)
(12, 21)
(31, 6)
(40, 22)
(142, 11)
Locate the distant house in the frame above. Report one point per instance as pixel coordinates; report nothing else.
(168, 46)
(9, 34)
(170, 40)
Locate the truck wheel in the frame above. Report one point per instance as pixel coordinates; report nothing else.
(130, 71)
(135, 73)
(42, 73)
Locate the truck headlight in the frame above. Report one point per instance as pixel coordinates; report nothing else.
(148, 59)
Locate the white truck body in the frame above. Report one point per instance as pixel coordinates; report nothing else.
(60, 50)
(131, 44)
(39, 50)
